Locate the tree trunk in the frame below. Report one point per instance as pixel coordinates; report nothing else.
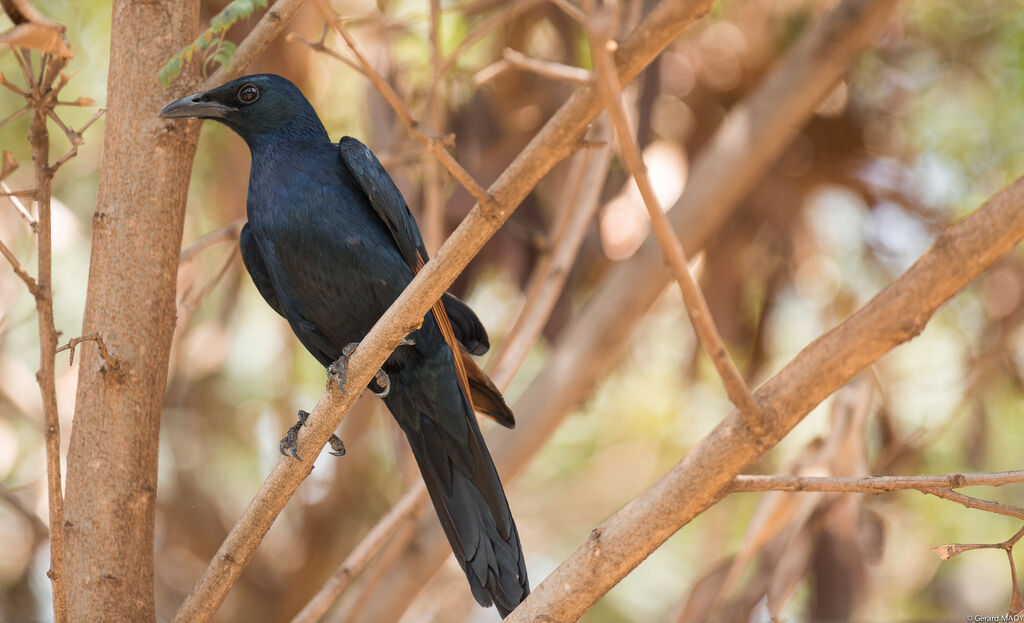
(136, 239)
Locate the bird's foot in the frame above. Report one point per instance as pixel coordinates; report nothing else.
(289, 443)
(379, 385)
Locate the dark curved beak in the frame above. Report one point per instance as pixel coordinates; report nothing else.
(194, 106)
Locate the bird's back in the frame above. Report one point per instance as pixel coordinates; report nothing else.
(333, 262)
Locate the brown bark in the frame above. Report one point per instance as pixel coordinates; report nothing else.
(137, 227)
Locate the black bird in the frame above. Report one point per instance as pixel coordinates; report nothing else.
(330, 244)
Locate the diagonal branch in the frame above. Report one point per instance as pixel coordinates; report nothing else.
(39, 529)
(555, 141)
(972, 502)
(546, 68)
(599, 30)
(400, 514)
(228, 233)
(583, 192)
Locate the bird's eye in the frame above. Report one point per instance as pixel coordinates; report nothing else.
(248, 94)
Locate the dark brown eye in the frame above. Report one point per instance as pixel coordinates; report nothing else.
(248, 94)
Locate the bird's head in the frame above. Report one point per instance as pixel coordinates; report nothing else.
(253, 106)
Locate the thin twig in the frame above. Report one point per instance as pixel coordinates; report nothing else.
(571, 10)
(76, 139)
(700, 316)
(208, 287)
(4, 82)
(115, 363)
(375, 576)
(581, 200)
(266, 30)
(318, 46)
(873, 484)
(972, 502)
(43, 97)
(404, 511)
(432, 221)
(14, 115)
(490, 72)
(25, 63)
(945, 552)
(19, 270)
(224, 234)
(548, 69)
(939, 486)
(431, 140)
(481, 30)
(952, 550)
(28, 192)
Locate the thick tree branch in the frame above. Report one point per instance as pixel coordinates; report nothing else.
(554, 142)
(136, 240)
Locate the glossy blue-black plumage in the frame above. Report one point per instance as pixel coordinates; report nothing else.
(330, 244)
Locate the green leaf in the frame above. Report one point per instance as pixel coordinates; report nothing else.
(170, 71)
(224, 54)
(223, 51)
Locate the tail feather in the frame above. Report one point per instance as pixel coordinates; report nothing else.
(469, 500)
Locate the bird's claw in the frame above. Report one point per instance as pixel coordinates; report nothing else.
(336, 371)
(337, 445)
(289, 443)
(383, 382)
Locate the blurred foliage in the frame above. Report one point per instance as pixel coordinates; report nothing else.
(922, 130)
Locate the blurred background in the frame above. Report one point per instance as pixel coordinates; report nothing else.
(924, 128)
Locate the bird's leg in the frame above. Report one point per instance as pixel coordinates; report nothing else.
(289, 443)
(380, 385)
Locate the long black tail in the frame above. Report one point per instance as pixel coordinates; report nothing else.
(463, 485)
